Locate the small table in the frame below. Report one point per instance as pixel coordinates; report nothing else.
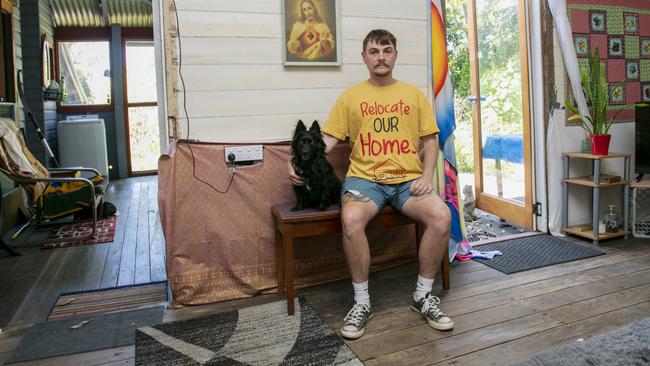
(590, 231)
(503, 147)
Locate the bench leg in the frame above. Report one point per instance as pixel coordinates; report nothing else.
(287, 243)
(279, 261)
(446, 278)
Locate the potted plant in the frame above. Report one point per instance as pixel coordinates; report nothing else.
(596, 90)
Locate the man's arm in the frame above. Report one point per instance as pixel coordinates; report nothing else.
(424, 184)
(330, 142)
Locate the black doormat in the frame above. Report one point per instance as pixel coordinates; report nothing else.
(534, 252)
(56, 338)
(258, 335)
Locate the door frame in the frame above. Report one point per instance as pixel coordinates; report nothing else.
(133, 35)
(518, 214)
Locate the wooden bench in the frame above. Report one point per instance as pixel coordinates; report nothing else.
(296, 224)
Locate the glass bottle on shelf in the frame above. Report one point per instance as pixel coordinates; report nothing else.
(612, 219)
(63, 90)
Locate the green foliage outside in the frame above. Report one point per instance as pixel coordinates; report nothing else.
(499, 67)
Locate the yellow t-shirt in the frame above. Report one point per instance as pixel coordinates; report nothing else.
(385, 124)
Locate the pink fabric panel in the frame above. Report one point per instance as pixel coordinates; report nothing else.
(580, 20)
(632, 92)
(644, 24)
(600, 41)
(615, 70)
(626, 115)
(221, 246)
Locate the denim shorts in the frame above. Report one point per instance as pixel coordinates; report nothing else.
(381, 194)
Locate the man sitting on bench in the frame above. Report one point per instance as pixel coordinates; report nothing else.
(385, 119)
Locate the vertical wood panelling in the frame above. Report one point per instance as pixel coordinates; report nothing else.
(36, 20)
(18, 62)
(30, 42)
(223, 35)
(49, 108)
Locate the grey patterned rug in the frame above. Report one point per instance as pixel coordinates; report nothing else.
(258, 335)
(629, 345)
(534, 252)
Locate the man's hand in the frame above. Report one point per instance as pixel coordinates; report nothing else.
(293, 177)
(421, 187)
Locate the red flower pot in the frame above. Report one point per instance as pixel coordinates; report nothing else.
(600, 144)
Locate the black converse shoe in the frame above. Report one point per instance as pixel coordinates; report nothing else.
(354, 323)
(428, 308)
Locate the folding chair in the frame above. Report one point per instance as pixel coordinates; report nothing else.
(49, 198)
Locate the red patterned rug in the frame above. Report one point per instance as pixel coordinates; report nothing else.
(104, 233)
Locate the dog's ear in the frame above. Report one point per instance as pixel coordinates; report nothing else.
(315, 127)
(300, 127)
(298, 132)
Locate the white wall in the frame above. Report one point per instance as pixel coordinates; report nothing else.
(237, 87)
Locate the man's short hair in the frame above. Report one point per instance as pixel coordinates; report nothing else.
(380, 36)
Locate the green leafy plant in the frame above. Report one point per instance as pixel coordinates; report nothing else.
(596, 90)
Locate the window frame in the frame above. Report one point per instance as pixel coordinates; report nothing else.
(9, 77)
(69, 34)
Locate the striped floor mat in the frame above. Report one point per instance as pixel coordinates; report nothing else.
(108, 300)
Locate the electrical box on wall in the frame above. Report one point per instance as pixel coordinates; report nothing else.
(237, 154)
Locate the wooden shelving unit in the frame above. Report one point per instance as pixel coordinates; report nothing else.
(590, 230)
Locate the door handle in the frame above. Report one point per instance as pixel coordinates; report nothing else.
(474, 99)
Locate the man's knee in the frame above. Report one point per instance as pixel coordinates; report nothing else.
(440, 220)
(352, 222)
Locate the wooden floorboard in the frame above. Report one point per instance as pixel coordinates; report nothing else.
(142, 272)
(16, 285)
(115, 194)
(523, 348)
(111, 268)
(127, 261)
(499, 319)
(157, 246)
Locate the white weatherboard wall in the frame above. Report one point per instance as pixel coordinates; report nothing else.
(237, 88)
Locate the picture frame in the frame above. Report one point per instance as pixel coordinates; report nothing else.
(311, 33)
(616, 94)
(632, 70)
(615, 47)
(46, 62)
(597, 21)
(581, 45)
(631, 23)
(644, 47)
(645, 92)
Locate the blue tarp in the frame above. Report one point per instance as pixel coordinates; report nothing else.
(504, 147)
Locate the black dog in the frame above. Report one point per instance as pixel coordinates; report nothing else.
(322, 188)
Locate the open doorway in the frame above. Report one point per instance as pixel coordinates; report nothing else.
(141, 104)
(488, 63)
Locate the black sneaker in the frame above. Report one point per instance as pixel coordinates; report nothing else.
(354, 323)
(428, 308)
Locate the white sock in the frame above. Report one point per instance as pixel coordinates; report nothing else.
(422, 288)
(361, 295)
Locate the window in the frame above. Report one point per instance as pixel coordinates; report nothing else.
(6, 55)
(85, 70)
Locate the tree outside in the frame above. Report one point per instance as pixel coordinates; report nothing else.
(499, 68)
